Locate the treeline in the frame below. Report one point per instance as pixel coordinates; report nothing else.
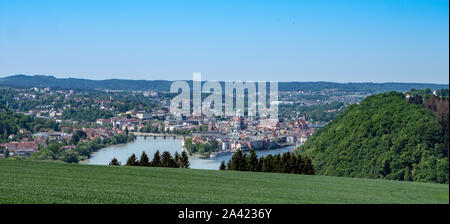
(164, 160)
(286, 163)
(11, 123)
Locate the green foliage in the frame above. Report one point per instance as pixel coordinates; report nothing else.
(223, 166)
(86, 114)
(144, 161)
(11, 123)
(114, 162)
(132, 161)
(184, 160)
(201, 148)
(83, 150)
(166, 160)
(286, 163)
(382, 137)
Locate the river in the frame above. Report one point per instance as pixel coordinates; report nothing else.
(123, 151)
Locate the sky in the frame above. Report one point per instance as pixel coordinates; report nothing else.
(302, 40)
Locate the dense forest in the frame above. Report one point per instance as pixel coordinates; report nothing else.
(386, 136)
(12, 123)
(86, 114)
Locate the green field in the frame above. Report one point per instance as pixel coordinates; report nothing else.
(51, 182)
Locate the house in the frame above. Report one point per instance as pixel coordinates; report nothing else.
(143, 115)
(20, 148)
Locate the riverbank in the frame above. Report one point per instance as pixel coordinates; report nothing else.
(150, 145)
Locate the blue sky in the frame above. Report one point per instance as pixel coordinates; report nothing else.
(342, 41)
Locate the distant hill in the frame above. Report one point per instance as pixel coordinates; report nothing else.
(386, 137)
(25, 81)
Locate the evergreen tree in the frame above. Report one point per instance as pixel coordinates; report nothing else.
(252, 161)
(167, 160)
(185, 160)
(276, 164)
(229, 165)
(156, 159)
(178, 161)
(238, 161)
(285, 163)
(299, 164)
(267, 164)
(114, 162)
(144, 161)
(309, 169)
(223, 166)
(132, 160)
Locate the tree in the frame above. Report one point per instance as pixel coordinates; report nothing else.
(167, 160)
(285, 163)
(309, 169)
(229, 165)
(144, 161)
(77, 136)
(69, 156)
(185, 160)
(239, 161)
(114, 162)
(253, 162)
(178, 161)
(223, 166)
(156, 159)
(132, 160)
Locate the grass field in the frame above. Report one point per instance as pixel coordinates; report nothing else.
(50, 182)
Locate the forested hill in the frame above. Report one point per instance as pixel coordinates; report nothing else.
(25, 81)
(386, 136)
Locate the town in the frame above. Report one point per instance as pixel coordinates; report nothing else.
(103, 114)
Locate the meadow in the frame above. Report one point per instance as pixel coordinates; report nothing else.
(54, 182)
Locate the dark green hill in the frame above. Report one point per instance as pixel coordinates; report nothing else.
(26, 81)
(383, 137)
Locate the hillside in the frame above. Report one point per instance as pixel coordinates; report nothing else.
(50, 182)
(12, 122)
(384, 137)
(25, 81)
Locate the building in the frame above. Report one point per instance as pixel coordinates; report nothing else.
(143, 115)
(20, 148)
